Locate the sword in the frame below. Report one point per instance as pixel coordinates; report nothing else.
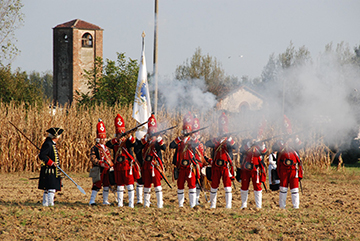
(81, 190)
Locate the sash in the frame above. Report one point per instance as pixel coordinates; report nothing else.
(106, 154)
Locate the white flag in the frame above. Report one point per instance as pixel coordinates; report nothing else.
(142, 105)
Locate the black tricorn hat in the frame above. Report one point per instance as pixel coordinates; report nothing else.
(55, 131)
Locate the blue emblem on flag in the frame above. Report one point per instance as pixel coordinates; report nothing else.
(143, 91)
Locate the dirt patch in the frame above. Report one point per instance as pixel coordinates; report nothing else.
(329, 209)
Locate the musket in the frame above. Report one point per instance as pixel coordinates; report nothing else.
(231, 163)
(196, 168)
(163, 131)
(202, 159)
(80, 188)
(277, 136)
(133, 129)
(24, 135)
(34, 178)
(157, 166)
(191, 132)
(234, 132)
(264, 184)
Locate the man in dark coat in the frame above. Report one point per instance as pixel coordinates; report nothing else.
(50, 180)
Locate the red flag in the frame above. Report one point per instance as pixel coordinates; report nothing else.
(287, 125)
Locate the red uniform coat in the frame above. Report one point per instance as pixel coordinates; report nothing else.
(221, 165)
(152, 161)
(289, 168)
(253, 169)
(125, 167)
(185, 161)
(98, 156)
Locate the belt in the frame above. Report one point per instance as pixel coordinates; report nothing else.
(121, 159)
(249, 165)
(220, 162)
(185, 162)
(288, 162)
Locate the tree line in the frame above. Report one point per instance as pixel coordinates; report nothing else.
(113, 82)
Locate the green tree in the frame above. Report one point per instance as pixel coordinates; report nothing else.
(11, 18)
(44, 82)
(18, 87)
(111, 83)
(207, 68)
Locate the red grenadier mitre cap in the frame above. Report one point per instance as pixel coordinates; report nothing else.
(152, 125)
(223, 123)
(119, 124)
(196, 124)
(188, 122)
(100, 129)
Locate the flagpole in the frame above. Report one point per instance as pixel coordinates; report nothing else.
(155, 70)
(142, 104)
(143, 41)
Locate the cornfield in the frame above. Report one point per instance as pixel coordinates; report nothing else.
(19, 154)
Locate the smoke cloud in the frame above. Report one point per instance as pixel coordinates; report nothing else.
(184, 95)
(323, 96)
(320, 97)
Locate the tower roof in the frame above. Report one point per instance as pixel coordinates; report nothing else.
(79, 24)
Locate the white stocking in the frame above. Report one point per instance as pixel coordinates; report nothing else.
(228, 197)
(244, 198)
(181, 198)
(295, 197)
(147, 197)
(131, 193)
(282, 197)
(120, 195)
(213, 195)
(258, 198)
(159, 196)
(192, 197)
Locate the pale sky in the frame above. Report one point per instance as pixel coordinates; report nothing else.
(225, 29)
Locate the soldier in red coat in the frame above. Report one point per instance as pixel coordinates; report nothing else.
(100, 156)
(126, 169)
(221, 164)
(185, 161)
(252, 169)
(153, 165)
(290, 171)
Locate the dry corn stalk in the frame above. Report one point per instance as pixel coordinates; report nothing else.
(79, 123)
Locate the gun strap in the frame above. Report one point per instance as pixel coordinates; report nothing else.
(108, 158)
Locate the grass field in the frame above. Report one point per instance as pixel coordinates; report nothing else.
(329, 210)
(329, 202)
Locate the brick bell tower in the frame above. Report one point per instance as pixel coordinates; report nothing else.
(76, 44)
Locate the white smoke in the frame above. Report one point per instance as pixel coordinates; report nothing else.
(183, 95)
(323, 87)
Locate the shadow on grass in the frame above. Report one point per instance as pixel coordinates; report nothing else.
(39, 204)
(353, 164)
(357, 164)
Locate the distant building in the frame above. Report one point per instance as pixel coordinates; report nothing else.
(242, 99)
(76, 44)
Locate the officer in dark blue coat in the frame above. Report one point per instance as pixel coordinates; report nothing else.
(50, 180)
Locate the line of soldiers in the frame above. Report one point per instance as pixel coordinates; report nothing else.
(201, 173)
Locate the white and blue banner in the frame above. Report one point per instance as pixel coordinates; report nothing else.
(142, 105)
